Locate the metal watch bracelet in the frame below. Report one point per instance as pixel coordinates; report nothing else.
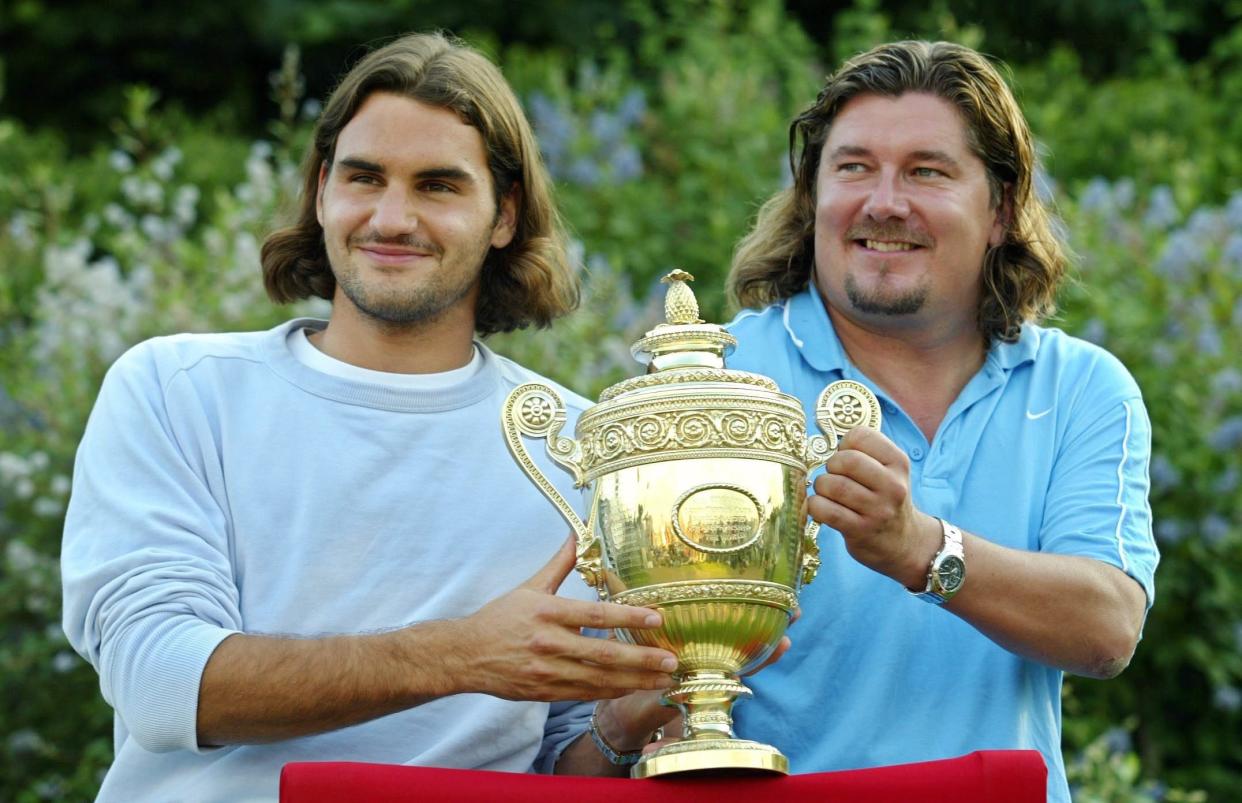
(619, 759)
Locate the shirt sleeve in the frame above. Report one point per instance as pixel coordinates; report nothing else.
(148, 585)
(566, 722)
(1097, 503)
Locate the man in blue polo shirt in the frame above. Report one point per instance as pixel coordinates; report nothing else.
(1008, 484)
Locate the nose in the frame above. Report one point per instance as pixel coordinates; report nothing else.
(887, 198)
(395, 212)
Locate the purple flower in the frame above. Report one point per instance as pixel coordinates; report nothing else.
(1208, 340)
(1215, 528)
(1228, 436)
(1227, 482)
(1163, 473)
(1097, 197)
(1227, 382)
(606, 128)
(1232, 253)
(632, 107)
(1182, 252)
(626, 163)
(583, 171)
(1123, 193)
(1094, 331)
(1170, 530)
(1233, 211)
(1161, 208)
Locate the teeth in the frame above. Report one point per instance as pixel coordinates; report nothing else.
(878, 245)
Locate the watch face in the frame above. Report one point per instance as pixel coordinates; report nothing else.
(951, 572)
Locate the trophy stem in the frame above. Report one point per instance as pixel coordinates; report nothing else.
(706, 702)
(705, 698)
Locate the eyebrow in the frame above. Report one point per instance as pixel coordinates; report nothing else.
(446, 172)
(935, 156)
(846, 151)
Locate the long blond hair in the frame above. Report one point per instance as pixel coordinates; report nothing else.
(530, 281)
(1020, 276)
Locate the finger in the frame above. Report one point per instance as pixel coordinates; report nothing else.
(797, 614)
(602, 615)
(592, 682)
(859, 466)
(876, 444)
(834, 514)
(608, 653)
(848, 493)
(554, 572)
(639, 715)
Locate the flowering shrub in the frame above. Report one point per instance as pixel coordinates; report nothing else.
(661, 153)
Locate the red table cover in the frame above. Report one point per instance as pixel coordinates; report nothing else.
(990, 776)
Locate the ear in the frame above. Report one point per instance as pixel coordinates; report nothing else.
(323, 178)
(506, 217)
(1003, 217)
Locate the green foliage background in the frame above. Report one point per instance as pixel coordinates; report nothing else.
(144, 152)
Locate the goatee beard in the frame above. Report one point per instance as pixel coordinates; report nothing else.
(906, 303)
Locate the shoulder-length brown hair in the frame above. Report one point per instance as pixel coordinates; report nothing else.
(530, 281)
(1020, 276)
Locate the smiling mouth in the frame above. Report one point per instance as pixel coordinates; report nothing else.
(887, 247)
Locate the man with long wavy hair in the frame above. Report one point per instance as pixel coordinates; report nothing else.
(310, 543)
(1007, 484)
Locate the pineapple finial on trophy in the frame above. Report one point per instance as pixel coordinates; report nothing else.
(680, 305)
(684, 340)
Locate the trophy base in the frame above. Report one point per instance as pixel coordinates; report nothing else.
(726, 756)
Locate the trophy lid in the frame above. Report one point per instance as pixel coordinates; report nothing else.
(683, 340)
(684, 348)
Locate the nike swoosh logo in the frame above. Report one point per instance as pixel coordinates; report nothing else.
(1037, 416)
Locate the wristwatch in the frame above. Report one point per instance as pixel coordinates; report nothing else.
(948, 569)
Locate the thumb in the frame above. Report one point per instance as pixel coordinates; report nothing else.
(554, 572)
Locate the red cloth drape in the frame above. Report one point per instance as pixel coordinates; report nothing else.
(992, 776)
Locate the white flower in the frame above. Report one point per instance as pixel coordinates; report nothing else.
(47, 508)
(20, 557)
(121, 161)
(12, 468)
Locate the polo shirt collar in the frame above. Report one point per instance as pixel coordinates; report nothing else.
(812, 333)
(806, 322)
(1007, 356)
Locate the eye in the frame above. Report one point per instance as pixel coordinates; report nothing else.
(364, 178)
(438, 186)
(851, 167)
(927, 172)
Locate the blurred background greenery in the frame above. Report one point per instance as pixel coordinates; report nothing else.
(146, 148)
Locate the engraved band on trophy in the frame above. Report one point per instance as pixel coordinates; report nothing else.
(698, 478)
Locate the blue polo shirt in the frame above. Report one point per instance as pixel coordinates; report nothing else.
(1045, 449)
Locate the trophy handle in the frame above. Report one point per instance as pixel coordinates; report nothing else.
(538, 411)
(841, 407)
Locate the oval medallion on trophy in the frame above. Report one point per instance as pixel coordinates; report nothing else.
(718, 517)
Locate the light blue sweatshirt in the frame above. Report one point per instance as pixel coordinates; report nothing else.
(223, 486)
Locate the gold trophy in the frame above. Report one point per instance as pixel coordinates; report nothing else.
(698, 510)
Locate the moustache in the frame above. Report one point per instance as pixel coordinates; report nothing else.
(404, 241)
(890, 232)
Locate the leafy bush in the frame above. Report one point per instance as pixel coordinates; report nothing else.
(662, 146)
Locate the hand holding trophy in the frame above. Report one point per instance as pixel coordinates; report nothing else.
(698, 509)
